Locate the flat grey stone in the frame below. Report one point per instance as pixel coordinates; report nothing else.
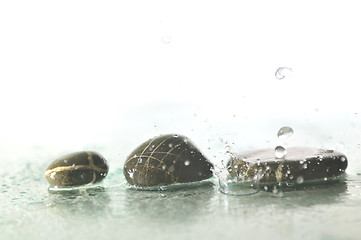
(300, 165)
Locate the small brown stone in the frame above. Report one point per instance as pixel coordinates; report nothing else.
(166, 159)
(77, 169)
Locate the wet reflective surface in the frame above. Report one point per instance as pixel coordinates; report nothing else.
(198, 211)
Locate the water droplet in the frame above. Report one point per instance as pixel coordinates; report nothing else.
(164, 167)
(175, 136)
(265, 188)
(343, 159)
(285, 132)
(283, 72)
(140, 160)
(186, 162)
(325, 179)
(170, 145)
(52, 175)
(171, 168)
(299, 179)
(304, 166)
(280, 152)
(151, 148)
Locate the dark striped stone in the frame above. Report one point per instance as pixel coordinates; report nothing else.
(301, 164)
(77, 169)
(165, 160)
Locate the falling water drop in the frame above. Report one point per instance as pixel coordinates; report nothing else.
(285, 132)
(280, 152)
(283, 72)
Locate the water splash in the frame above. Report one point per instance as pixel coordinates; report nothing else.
(234, 186)
(283, 72)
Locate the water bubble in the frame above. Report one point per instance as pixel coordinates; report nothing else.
(280, 152)
(299, 179)
(285, 132)
(186, 162)
(283, 72)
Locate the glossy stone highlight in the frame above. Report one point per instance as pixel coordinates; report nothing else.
(166, 159)
(301, 164)
(77, 169)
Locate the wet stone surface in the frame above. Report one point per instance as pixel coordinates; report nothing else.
(300, 165)
(77, 169)
(164, 160)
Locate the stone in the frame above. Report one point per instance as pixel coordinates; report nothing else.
(300, 165)
(77, 169)
(165, 160)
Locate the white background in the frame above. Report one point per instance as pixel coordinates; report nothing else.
(80, 74)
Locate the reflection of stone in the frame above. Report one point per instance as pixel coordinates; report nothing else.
(165, 160)
(173, 205)
(79, 202)
(76, 169)
(267, 203)
(301, 164)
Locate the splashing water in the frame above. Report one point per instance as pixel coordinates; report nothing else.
(285, 132)
(233, 186)
(283, 72)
